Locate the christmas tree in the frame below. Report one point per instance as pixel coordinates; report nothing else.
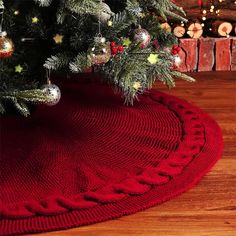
(122, 40)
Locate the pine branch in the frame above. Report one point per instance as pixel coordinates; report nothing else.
(80, 63)
(22, 108)
(183, 76)
(120, 21)
(164, 8)
(83, 6)
(20, 98)
(1, 4)
(43, 3)
(58, 61)
(2, 109)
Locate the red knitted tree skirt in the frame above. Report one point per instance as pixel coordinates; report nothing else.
(91, 159)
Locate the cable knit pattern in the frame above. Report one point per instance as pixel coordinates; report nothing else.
(91, 159)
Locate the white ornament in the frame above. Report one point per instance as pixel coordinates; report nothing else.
(53, 92)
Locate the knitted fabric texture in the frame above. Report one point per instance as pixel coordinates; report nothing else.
(91, 159)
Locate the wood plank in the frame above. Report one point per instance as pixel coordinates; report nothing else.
(209, 208)
(223, 54)
(206, 54)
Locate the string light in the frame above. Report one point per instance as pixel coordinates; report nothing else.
(16, 12)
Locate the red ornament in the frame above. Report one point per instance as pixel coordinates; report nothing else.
(120, 48)
(176, 49)
(174, 52)
(6, 46)
(114, 51)
(113, 44)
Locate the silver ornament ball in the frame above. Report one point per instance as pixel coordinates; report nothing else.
(53, 92)
(142, 36)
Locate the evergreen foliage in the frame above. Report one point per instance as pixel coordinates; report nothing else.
(77, 22)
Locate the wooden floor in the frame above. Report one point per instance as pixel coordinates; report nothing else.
(210, 207)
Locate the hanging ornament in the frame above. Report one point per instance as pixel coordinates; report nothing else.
(58, 38)
(137, 85)
(104, 13)
(153, 58)
(35, 20)
(126, 42)
(53, 92)
(109, 23)
(6, 46)
(142, 37)
(19, 69)
(99, 52)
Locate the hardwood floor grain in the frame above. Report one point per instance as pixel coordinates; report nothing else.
(209, 209)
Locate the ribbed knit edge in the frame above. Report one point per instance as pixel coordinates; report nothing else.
(157, 195)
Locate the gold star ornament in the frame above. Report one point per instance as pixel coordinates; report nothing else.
(35, 20)
(58, 39)
(153, 58)
(18, 69)
(109, 23)
(137, 85)
(126, 42)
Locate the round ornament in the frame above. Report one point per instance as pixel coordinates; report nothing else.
(104, 13)
(6, 45)
(99, 52)
(142, 37)
(53, 92)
